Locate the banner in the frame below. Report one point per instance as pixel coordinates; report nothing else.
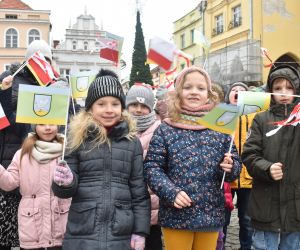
(40, 105)
(80, 83)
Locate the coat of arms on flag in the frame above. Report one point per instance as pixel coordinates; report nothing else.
(40, 105)
(80, 83)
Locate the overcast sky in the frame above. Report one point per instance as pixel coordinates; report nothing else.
(118, 17)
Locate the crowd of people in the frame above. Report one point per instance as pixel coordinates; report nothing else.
(139, 171)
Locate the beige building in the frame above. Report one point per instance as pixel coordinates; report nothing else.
(19, 26)
(237, 30)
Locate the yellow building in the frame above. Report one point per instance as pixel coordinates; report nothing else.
(19, 26)
(237, 30)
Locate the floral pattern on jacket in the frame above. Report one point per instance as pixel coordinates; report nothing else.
(189, 160)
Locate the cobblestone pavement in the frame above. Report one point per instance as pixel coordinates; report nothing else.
(232, 241)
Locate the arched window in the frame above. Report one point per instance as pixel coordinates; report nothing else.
(85, 45)
(33, 35)
(74, 43)
(11, 38)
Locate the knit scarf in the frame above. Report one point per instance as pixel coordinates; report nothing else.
(188, 117)
(143, 122)
(43, 152)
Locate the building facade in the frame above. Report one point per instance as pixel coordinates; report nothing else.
(237, 30)
(19, 26)
(80, 49)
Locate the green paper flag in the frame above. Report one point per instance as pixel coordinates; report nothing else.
(42, 105)
(252, 102)
(80, 83)
(222, 118)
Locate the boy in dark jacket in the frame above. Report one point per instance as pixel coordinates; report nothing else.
(273, 162)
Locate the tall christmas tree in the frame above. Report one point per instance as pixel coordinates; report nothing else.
(140, 71)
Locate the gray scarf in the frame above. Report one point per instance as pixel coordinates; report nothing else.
(44, 152)
(143, 122)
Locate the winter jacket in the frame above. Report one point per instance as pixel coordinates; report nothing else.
(42, 217)
(274, 205)
(11, 139)
(244, 123)
(110, 198)
(189, 160)
(145, 139)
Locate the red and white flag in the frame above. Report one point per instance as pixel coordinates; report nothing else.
(41, 69)
(161, 53)
(293, 119)
(109, 50)
(3, 119)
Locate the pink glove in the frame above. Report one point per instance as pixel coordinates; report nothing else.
(137, 242)
(63, 175)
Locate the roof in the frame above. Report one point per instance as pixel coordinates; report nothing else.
(14, 4)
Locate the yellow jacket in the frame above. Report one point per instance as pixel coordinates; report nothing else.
(244, 123)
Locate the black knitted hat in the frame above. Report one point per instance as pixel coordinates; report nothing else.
(106, 83)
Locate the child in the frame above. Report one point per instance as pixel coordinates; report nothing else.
(241, 186)
(273, 162)
(104, 174)
(140, 103)
(42, 217)
(185, 164)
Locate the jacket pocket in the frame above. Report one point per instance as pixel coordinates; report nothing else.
(30, 224)
(81, 220)
(122, 221)
(60, 220)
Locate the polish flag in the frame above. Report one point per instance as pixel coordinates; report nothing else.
(41, 69)
(109, 50)
(3, 119)
(161, 52)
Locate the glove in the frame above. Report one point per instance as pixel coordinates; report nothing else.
(137, 242)
(63, 175)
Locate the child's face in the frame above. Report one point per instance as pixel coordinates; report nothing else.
(46, 132)
(107, 111)
(138, 109)
(283, 86)
(194, 90)
(233, 95)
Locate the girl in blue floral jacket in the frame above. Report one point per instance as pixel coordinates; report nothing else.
(185, 164)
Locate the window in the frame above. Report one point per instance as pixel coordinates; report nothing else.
(85, 45)
(74, 43)
(237, 17)
(182, 41)
(219, 24)
(6, 67)
(33, 35)
(11, 38)
(10, 16)
(192, 36)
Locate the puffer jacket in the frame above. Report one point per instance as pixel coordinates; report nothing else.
(274, 205)
(110, 198)
(244, 123)
(189, 160)
(42, 217)
(145, 138)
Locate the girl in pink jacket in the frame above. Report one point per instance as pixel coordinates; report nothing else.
(42, 217)
(140, 104)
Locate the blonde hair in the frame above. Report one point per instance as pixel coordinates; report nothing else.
(174, 97)
(83, 124)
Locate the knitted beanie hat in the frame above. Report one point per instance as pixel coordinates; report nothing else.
(284, 71)
(140, 94)
(245, 86)
(106, 83)
(39, 45)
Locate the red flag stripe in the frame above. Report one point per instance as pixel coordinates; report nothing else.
(159, 59)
